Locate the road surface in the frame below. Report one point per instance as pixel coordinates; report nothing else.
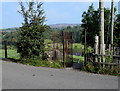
(18, 76)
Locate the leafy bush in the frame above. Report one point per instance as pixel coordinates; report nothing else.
(89, 67)
(103, 71)
(89, 49)
(110, 71)
(108, 59)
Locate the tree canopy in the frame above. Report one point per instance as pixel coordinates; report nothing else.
(90, 23)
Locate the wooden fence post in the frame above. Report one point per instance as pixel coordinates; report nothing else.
(103, 56)
(5, 44)
(85, 60)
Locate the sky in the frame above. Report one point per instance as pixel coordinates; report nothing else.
(55, 12)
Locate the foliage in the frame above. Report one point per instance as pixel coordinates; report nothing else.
(90, 67)
(48, 41)
(110, 71)
(78, 47)
(117, 30)
(48, 33)
(90, 23)
(48, 45)
(10, 37)
(31, 39)
(108, 59)
(39, 62)
(89, 49)
(76, 33)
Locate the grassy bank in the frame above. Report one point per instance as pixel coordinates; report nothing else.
(11, 53)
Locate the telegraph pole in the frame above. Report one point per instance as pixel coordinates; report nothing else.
(112, 24)
(101, 6)
(119, 7)
(102, 45)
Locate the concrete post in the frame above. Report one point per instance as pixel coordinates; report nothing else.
(96, 47)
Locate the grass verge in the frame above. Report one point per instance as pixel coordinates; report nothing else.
(11, 53)
(42, 63)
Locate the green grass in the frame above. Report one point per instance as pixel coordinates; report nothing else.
(42, 63)
(78, 57)
(11, 53)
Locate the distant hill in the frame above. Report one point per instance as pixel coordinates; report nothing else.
(52, 26)
(9, 29)
(63, 25)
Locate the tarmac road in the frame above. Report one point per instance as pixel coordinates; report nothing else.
(19, 76)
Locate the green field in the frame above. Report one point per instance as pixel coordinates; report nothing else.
(11, 53)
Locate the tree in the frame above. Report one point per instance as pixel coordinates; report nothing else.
(117, 31)
(31, 40)
(90, 22)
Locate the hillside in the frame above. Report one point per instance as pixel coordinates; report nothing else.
(63, 25)
(8, 29)
(52, 26)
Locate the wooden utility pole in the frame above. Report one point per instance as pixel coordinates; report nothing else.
(101, 7)
(112, 23)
